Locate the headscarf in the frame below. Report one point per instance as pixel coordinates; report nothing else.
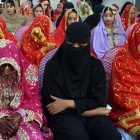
(60, 32)
(30, 19)
(13, 22)
(73, 63)
(21, 9)
(67, 5)
(80, 10)
(4, 34)
(24, 82)
(100, 40)
(124, 97)
(93, 20)
(36, 39)
(124, 6)
(126, 17)
(56, 14)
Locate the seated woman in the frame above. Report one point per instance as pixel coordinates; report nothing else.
(38, 9)
(4, 34)
(37, 40)
(124, 87)
(67, 5)
(129, 16)
(48, 9)
(69, 17)
(21, 116)
(11, 17)
(25, 10)
(74, 91)
(108, 33)
(84, 10)
(58, 11)
(2, 7)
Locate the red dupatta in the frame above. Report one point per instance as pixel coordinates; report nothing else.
(126, 16)
(124, 89)
(36, 39)
(4, 34)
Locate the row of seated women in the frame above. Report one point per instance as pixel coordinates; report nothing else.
(73, 90)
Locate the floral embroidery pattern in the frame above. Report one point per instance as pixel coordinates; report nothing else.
(31, 75)
(3, 43)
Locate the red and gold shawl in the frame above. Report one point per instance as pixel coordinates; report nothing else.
(36, 39)
(126, 16)
(4, 34)
(124, 89)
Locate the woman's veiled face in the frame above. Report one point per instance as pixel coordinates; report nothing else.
(59, 9)
(72, 17)
(77, 45)
(6, 69)
(85, 9)
(108, 18)
(38, 11)
(2, 7)
(10, 9)
(133, 14)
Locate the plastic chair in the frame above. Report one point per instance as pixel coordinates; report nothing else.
(18, 34)
(43, 62)
(107, 60)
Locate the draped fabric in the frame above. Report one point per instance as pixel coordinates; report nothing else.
(4, 34)
(122, 10)
(36, 39)
(21, 9)
(20, 90)
(80, 10)
(67, 5)
(93, 20)
(124, 86)
(13, 22)
(60, 32)
(56, 14)
(126, 16)
(103, 41)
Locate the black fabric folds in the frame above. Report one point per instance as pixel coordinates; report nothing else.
(127, 3)
(73, 74)
(67, 5)
(93, 20)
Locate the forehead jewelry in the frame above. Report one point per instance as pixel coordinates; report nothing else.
(108, 10)
(7, 70)
(114, 12)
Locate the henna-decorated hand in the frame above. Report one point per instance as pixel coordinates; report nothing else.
(6, 128)
(15, 120)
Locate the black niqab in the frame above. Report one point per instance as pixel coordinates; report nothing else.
(74, 62)
(127, 3)
(67, 5)
(93, 20)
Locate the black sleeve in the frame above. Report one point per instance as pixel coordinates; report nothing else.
(97, 97)
(46, 99)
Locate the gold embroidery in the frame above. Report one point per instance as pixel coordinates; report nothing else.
(134, 130)
(139, 49)
(36, 33)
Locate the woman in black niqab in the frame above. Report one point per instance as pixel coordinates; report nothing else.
(93, 20)
(67, 5)
(74, 84)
